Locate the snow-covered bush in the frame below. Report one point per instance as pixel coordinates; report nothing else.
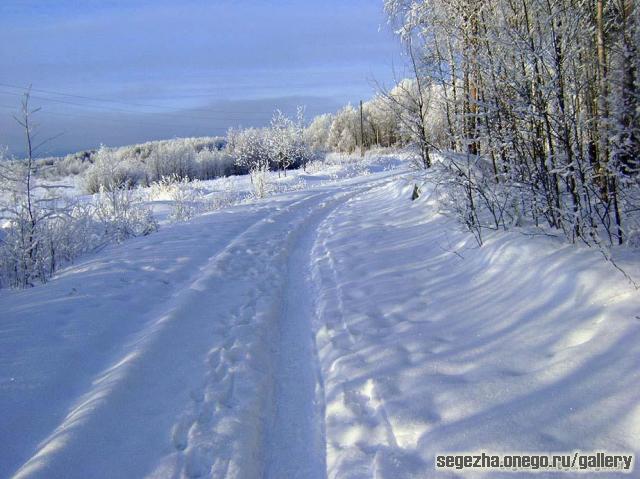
(281, 141)
(185, 202)
(188, 198)
(260, 181)
(110, 171)
(171, 159)
(31, 250)
(141, 165)
(185, 196)
(315, 166)
(77, 234)
(27, 211)
(122, 214)
(250, 148)
(163, 189)
(35, 240)
(227, 194)
(74, 164)
(280, 146)
(214, 163)
(286, 142)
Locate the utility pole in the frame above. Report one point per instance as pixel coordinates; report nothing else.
(361, 131)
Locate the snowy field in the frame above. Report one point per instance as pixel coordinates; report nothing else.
(332, 330)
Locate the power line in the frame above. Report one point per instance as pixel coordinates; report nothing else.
(82, 116)
(134, 112)
(106, 100)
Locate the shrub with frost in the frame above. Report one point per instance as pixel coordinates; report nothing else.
(110, 171)
(260, 185)
(122, 214)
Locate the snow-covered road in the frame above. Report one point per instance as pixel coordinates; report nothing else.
(335, 332)
(221, 376)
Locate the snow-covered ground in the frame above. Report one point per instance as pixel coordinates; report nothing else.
(337, 331)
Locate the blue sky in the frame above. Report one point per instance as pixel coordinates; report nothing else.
(139, 70)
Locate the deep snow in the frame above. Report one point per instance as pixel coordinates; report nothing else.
(338, 331)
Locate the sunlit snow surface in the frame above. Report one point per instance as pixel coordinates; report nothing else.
(339, 327)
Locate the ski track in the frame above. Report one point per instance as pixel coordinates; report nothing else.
(243, 325)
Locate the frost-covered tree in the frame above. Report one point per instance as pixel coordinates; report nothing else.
(345, 130)
(249, 147)
(171, 159)
(381, 125)
(410, 101)
(24, 207)
(111, 170)
(281, 141)
(214, 163)
(33, 218)
(317, 133)
(541, 99)
(303, 153)
(286, 141)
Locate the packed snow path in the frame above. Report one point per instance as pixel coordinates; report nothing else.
(337, 332)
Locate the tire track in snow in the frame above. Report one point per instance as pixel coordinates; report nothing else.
(296, 434)
(289, 441)
(365, 403)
